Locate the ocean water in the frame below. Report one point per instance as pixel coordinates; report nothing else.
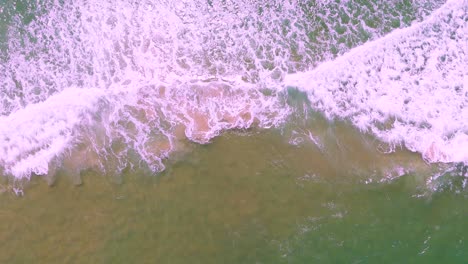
(233, 131)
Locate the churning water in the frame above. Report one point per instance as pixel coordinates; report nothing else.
(111, 85)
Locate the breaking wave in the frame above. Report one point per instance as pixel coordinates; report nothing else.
(408, 88)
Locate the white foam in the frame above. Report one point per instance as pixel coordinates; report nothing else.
(415, 76)
(162, 67)
(32, 137)
(127, 51)
(201, 109)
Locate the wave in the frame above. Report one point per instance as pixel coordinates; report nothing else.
(408, 88)
(117, 84)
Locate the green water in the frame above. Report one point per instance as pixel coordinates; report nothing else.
(245, 198)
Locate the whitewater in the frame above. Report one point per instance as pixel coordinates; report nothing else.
(111, 85)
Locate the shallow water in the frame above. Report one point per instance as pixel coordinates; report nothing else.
(248, 197)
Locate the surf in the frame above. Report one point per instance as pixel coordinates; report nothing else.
(118, 85)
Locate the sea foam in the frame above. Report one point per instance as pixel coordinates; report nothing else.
(123, 84)
(32, 137)
(407, 88)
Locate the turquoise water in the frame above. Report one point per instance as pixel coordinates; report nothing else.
(233, 131)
